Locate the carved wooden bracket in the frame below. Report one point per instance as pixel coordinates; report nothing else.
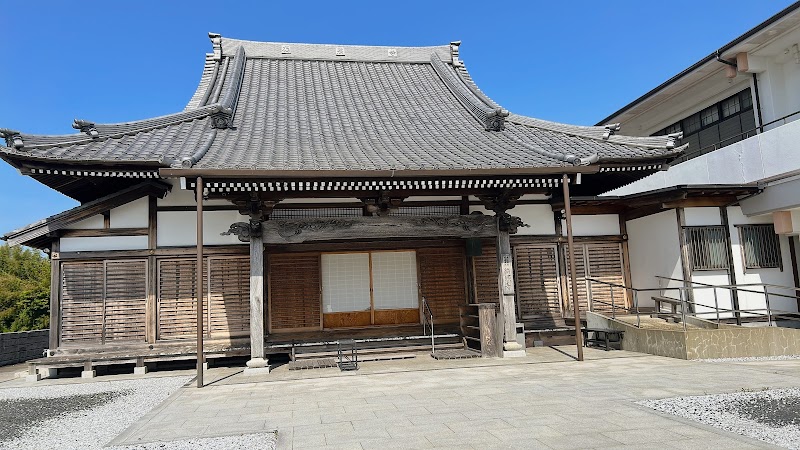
(255, 207)
(243, 230)
(382, 205)
(501, 203)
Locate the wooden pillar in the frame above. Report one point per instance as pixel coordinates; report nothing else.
(508, 309)
(257, 359)
(151, 309)
(55, 295)
(723, 216)
(572, 274)
(626, 262)
(199, 282)
(686, 264)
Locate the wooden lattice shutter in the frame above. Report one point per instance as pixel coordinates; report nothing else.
(538, 293)
(605, 264)
(442, 281)
(82, 302)
(229, 296)
(125, 300)
(294, 291)
(177, 308)
(580, 277)
(484, 270)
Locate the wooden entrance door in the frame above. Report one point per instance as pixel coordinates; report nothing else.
(601, 261)
(369, 288)
(538, 287)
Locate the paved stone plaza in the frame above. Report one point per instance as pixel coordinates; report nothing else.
(546, 400)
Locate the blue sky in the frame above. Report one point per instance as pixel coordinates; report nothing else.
(109, 61)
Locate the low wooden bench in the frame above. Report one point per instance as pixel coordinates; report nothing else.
(603, 338)
(672, 302)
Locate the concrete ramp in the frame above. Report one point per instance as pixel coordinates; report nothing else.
(701, 340)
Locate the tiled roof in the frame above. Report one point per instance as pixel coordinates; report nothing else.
(273, 106)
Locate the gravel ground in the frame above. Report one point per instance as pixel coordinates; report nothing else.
(752, 358)
(265, 441)
(771, 415)
(81, 415)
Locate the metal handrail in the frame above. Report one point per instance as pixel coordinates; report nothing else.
(426, 307)
(685, 301)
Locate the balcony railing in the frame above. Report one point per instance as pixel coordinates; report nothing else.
(739, 137)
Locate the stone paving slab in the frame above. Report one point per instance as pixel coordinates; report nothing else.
(546, 400)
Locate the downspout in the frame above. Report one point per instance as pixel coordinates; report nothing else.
(758, 104)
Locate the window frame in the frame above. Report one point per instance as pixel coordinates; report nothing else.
(775, 240)
(709, 255)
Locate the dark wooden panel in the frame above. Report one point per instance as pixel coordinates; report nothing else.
(125, 301)
(538, 293)
(605, 264)
(442, 281)
(396, 316)
(347, 319)
(177, 305)
(294, 290)
(82, 302)
(484, 270)
(229, 296)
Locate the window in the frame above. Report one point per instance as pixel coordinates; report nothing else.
(730, 106)
(747, 99)
(691, 124)
(707, 247)
(674, 128)
(760, 247)
(709, 116)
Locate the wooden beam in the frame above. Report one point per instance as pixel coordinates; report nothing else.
(626, 262)
(573, 280)
(726, 225)
(151, 307)
(686, 264)
(105, 232)
(106, 219)
(199, 282)
(160, 252)
(694, 202)
(55, 296)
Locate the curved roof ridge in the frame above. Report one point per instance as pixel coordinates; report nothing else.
(491, 116)
(335, 52)
(221, 113)
(206, 85)
(604, 133)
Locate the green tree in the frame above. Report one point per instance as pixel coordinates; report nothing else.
(24, 289)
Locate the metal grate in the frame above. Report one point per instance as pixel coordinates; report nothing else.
(707, 247)
(298, 213)
(440, 210)
(760, 246)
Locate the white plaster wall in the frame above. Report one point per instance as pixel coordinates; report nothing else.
(131, 215)
(178, 228)
(702, 216)
(88, 244)
(480, 208)
(336, 200)
(539, 219)
(594, 225)
(704, 297)
(654, 249)
(91, 223)
(772, 276)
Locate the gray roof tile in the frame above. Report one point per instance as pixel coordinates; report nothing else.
(303, 107)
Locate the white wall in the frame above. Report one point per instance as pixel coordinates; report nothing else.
(178, 228)
(90, 244)
(131, 215)
(91, 223)
(539, 219)
(702, 216)
(772, 276)
(654, 249)
(594, 225)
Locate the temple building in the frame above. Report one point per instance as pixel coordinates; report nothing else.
(337, 192)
